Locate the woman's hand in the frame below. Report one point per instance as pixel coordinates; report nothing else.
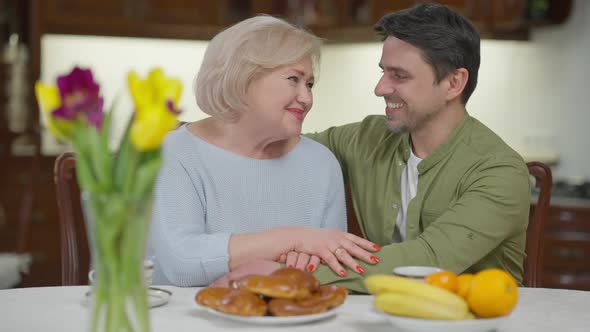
(300, 260)
(334, 246)
(255, 267)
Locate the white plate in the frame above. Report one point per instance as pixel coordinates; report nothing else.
(157, 297)
(408, 324)
(272, 320)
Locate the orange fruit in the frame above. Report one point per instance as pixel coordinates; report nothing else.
(443, 279)
(464, 284)
(493, 293)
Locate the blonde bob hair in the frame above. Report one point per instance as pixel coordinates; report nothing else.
(238, 55)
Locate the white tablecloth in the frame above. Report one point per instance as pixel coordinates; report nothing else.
(60, 309)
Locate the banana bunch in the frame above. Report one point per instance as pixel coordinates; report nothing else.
(411, 298)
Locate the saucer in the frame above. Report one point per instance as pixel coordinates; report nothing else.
(157, 297)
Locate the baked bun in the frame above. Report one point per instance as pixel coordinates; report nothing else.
(232, 301)
(304, 279)
(211, 296)
(326, 298)
(290, 292)
(287, 283)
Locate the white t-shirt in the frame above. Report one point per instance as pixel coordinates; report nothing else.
(409, 185)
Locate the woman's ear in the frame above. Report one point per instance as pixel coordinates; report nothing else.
(457, 81)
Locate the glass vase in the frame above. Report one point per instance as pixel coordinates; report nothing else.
(117, 228)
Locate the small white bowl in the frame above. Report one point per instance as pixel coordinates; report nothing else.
(415, 272)
(148, 272)
(408, 324)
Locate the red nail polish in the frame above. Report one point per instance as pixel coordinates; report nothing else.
(360, 269)
(376, 246)
(343, 273)
(291, 266)
(310, 267)
(375, 259)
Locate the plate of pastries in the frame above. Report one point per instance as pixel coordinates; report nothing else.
(287, 296)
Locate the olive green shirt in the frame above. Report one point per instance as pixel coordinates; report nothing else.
(471, 207)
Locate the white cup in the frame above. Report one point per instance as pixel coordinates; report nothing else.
(415, 272)
(148, 273)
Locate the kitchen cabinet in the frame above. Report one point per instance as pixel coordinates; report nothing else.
(135, 18)
(29, 216)
(28, 212)
(566, 247)
(180, 12)
(334, 20)
(85, 16)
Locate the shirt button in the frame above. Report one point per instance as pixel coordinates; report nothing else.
(399, 163)
(394, 206)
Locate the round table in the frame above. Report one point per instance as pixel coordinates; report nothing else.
(61, 309)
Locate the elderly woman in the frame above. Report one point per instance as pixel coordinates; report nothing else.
(243, 185)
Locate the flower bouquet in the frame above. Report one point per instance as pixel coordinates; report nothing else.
(116, 184)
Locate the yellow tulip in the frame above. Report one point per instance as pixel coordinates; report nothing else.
(156, 89)
(156, 101)
(49, 100)
(151, 126)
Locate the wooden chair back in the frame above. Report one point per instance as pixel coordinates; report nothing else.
(352, 221)
(75, 255)
(533, 263)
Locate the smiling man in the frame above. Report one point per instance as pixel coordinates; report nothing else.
(430, 183)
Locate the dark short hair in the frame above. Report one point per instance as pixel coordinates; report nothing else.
(448, 41)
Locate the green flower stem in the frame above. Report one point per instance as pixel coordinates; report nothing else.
(132, 166)
(119, 227)
(99, 301)
(106, 263)
(133, 242)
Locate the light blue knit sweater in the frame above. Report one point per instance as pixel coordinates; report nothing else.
(205, 193)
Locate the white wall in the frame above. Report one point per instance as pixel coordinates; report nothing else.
(533, 93)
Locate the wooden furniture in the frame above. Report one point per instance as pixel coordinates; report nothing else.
(533, 263)
(28, 215)
(566, 246)
(75, 254)
(334, 20)
(352, 221)
(29, 219)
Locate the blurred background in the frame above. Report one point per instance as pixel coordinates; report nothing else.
(532, 91)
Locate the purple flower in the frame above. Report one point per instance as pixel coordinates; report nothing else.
(80, 97)
(95, 115)
(170, 107)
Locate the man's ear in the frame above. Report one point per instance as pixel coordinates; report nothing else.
(457, 81)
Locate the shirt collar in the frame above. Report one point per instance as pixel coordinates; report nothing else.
(440, 152)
